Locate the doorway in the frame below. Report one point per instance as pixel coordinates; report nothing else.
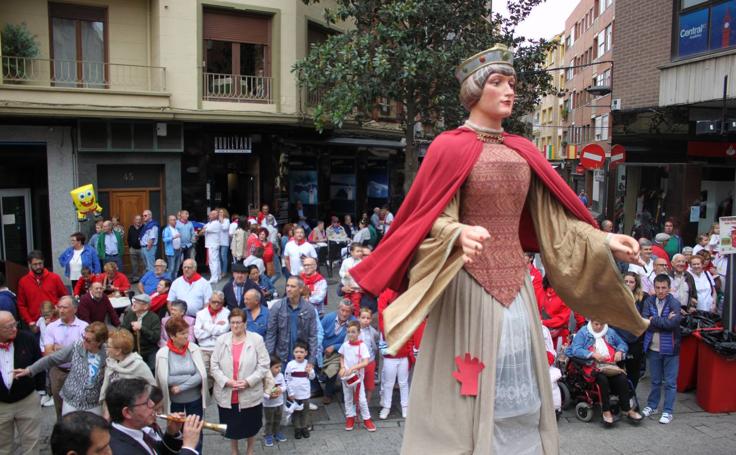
(17, 232)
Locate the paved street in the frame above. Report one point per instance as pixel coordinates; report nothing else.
(693, 431)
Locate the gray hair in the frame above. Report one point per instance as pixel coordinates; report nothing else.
(219, 294)
(253, 292)
(687, 250)
(345, 302)
(179, 304)
(645, 242)
(472, 87)
(299, 281)
(679, 256)
(75, 302)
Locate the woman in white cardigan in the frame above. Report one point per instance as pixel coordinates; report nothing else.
(122, 362)
(239, 364)
(181, 373)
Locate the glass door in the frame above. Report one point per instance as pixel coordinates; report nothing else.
(16, 233)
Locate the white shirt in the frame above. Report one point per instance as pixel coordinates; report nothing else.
(135, 434)
(703, 285)
(196, 294)
(298, 388)
(362, 235)
(207, 329)
(345, 277)
(225, 232)
(6, 365)
(75, 265)
(232, 229)
(279, 383)
(294, 253)
(646, 274)
(258, 262)
(175, 237)
(354, 354)
(212, 234)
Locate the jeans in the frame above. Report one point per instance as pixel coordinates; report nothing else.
(173, 264)
(663, 369)
(137, 263)
(224, 252)
(273, 420)
(116, 259)
(193, 407)
(150, 257)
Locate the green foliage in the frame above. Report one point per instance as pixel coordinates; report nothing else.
(18, 41)
(407, 50)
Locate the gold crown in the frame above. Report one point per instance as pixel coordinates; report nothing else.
(498, 54)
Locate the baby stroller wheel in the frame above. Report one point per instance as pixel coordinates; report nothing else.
(565, 395)
(584, 411)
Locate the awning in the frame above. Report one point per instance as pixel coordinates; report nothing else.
(365, 142)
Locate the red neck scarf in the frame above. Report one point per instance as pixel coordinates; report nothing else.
(194, 278)
(213, 313)
(299, 242)
(311, 279)
(355, 343)
(6, 346)
(180, 351)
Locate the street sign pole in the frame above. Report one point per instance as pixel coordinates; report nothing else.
(727, 247)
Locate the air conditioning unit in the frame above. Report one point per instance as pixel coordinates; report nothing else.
(616, 104)
(707, 127)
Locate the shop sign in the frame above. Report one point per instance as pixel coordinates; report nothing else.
(728, 234)
(233, 144)
(599, 175)
(693, 32)
(711, 149)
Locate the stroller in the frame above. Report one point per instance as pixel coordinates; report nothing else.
(578, 387)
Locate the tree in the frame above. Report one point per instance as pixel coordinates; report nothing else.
(406, 51)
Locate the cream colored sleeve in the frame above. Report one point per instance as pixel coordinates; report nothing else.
(434, 265)
(579, 263)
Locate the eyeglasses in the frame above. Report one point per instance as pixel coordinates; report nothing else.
(10, 326)
(188, 267)
(237, 322)
(148, 403)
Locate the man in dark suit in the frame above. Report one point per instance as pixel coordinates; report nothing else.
(19, 403)
(81, 433)
(131, 410)
(236, 288)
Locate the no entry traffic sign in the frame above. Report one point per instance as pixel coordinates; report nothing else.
(592, 156)
(618, 155)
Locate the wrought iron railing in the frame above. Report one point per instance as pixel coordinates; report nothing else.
(82, 74)
(237, 88)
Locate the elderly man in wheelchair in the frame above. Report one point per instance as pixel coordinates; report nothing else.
(596, 350)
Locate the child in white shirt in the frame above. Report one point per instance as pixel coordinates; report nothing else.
(273, 405)
(351, 290)
(370, 337)
(354, 357)
(297, 376)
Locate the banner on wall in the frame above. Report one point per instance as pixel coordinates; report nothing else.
(693, 32)
(727, 226)
(303, 187)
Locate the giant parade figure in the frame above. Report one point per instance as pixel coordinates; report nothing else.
(455, 252)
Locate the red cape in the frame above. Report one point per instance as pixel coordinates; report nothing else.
(448, 162)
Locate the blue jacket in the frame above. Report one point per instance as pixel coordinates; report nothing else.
(89, 259)
(583, 340)
(668, 328)
(258, 325)
(8, 302)
(330, 337)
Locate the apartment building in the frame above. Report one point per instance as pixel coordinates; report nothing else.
(588, 43)
(550, 115)
(676, 117)
(167, 105)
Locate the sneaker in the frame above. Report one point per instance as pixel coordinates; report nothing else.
(47, 401)
(305, 433)
(279, 437)
(404, 412)
(349, 424)
(666, 418)
(383, 415)
(312, 406)
(369, 425)
(297, 433)
(646, 412)
(268, 440)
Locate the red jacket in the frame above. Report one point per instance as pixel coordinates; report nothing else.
(32, 291)
(120, 282)
(552, 310)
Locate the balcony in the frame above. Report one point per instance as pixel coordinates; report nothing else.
(39, 72)
(237, 88)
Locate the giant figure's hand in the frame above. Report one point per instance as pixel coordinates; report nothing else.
(625, 248)
(472, 240)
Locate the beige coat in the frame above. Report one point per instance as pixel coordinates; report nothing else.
(162, 373)
(253, 367)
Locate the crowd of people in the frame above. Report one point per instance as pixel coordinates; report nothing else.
(182, 345)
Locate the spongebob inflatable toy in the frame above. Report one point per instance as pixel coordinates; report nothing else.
(85, 202)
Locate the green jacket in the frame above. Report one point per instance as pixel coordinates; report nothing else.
(149, 334)
(100, 247)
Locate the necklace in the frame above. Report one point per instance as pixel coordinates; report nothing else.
(487, 135)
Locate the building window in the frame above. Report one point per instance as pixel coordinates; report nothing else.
(570, 71)
(237, 50)
(609, 37)
(704, 26)
(601, 6)
(601, 127)
(78, 45)
(601, 43)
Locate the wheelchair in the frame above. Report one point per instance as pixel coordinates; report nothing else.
(580, 389)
